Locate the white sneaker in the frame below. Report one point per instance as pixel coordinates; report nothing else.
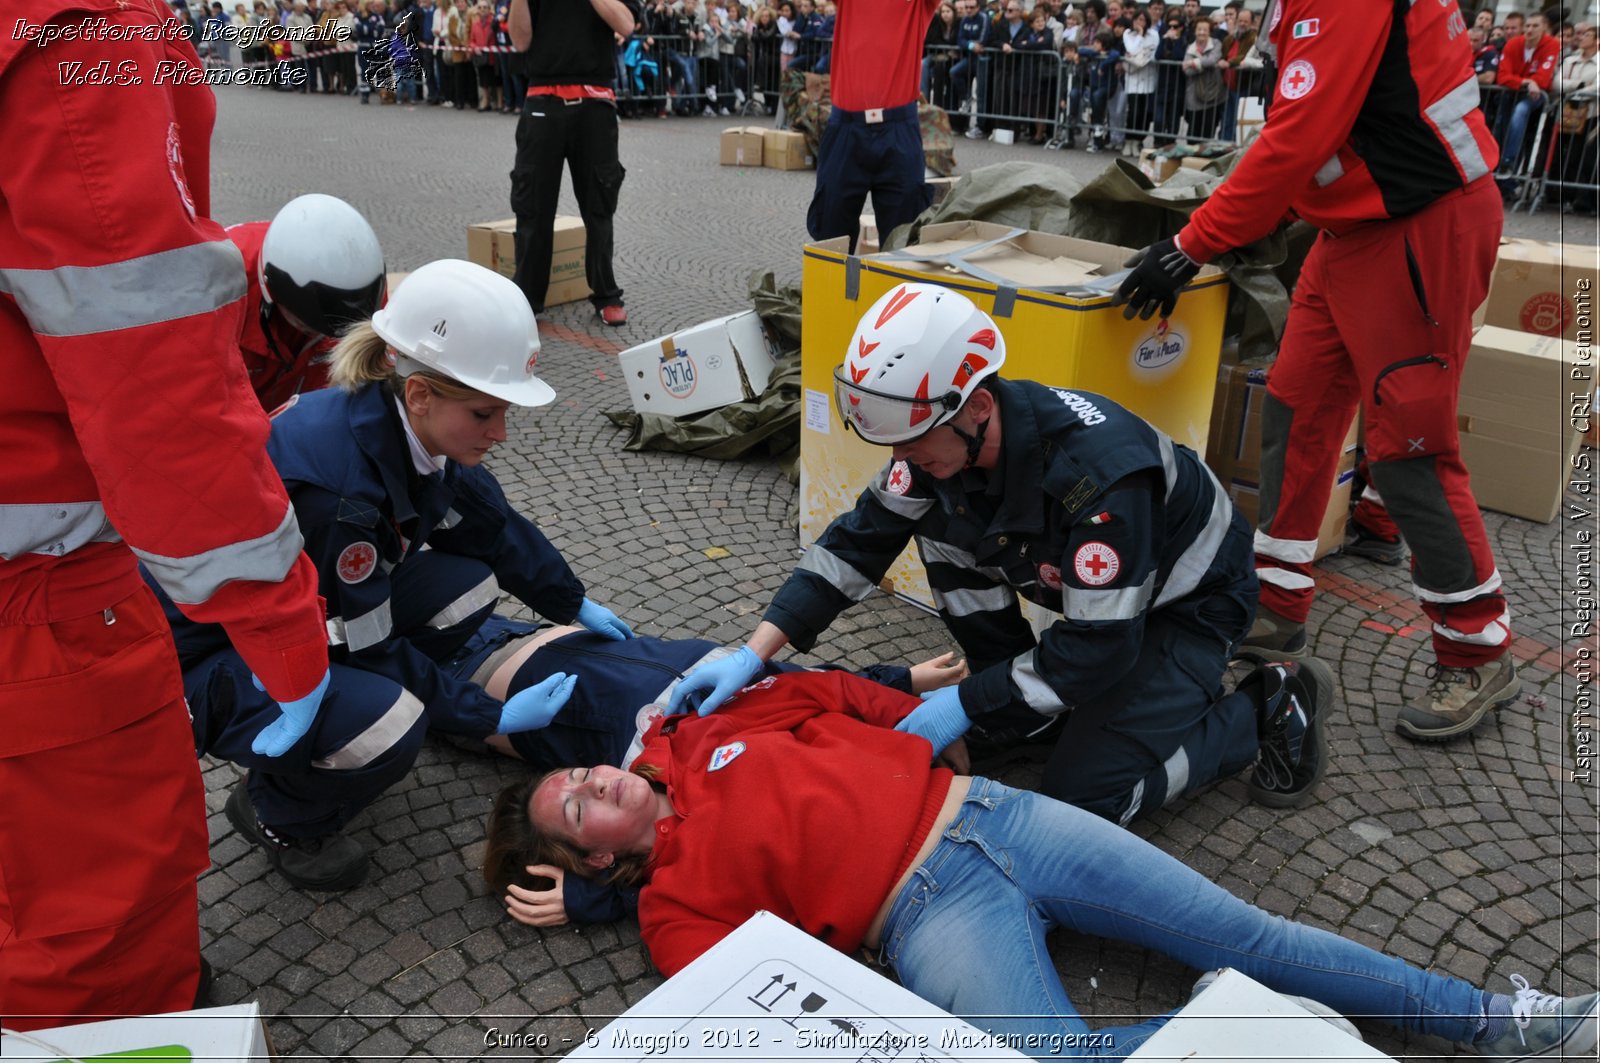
(1543, 1025)
(709, 112)
(711, 93)
(975, 133)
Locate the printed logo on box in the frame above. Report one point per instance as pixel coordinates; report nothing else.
(677, 373)
(1547, 314)
(1161, 348)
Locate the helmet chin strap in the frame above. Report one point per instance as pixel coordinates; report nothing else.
(973, 440)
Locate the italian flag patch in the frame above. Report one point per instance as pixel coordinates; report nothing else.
(1308, 27)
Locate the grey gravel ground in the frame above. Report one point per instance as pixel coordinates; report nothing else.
(1477, 858)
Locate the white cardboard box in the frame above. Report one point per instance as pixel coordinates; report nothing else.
(703, 367)
(1239, 1020)
(232, 1034)
(771, 992)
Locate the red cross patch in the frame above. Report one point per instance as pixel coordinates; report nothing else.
(1298, 79)
(1096, 564)
(175, 168)
(357, 561)
(899, 478)
(1050, 576)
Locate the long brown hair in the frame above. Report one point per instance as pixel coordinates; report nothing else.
(515, 841)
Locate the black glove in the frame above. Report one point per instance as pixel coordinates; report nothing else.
(1159, 272)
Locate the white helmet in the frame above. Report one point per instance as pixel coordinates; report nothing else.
(470, 324)
(914, 360)
(321, 263)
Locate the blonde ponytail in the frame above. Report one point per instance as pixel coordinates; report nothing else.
(361, 358)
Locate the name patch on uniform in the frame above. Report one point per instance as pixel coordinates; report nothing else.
(1299, 77)
(1096, 564)
(899, 478)
(1307, 27)
(357, 561)
(722, 756)
(1081, 493)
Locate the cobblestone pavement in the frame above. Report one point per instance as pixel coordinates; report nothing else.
(1477, 858)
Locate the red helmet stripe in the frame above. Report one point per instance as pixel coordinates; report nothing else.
(983, 338)
(921, 411)
(970, 366)
(897, 302)
(856, 375)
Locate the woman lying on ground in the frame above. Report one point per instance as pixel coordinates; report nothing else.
(603, 723)
(799, 798)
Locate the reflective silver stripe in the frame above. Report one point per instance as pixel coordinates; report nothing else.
(1135, 799)
(1329, 172)
(1177, 768)
(965, 602)
(1289, 581)
(483, 595)
(194, 579)
(379, 737)
(55, 528)
(83, 300)
(1449, 115)
(1169, 463)
(1039, 695)
(932, 550)
(845, 580)
(1488, 586)
(1493, 634)
(368, 629)
(900, 505)
(450, 519)
(1294, 551)
(1195, 561)
(1124, 603)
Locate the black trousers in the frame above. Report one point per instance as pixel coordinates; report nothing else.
(584, 136)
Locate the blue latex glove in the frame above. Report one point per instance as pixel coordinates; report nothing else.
(602, 621)
(276, 737)
(534, 708)
(940, 718)
(707, 687)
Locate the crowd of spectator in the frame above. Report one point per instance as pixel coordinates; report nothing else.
(1108, 73)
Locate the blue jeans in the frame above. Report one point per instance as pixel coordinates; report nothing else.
(1526, 107)
(967, 933)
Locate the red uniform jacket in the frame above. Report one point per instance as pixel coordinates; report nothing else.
(128, 423)
(785, 803)
(289, 361)
(877, 52)
(1375, 116)
(1516, 68)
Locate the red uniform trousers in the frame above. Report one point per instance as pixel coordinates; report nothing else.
(1382, 317)
(102, 816)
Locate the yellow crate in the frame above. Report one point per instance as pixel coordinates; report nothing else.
(1165, 372)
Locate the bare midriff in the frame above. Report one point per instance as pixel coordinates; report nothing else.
(947, 812)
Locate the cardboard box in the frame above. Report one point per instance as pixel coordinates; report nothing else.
(1238, 1019)
(234, 1034)
(1234, 453)
(784, 149)
(1050, 297)
(701, 368)
(1522, 416)
(1156, 166)
(494, 244)
(1544, 287)
(741, 145)
(768, 991)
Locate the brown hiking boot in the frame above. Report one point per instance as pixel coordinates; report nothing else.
(1273, 638)
(1458, 699)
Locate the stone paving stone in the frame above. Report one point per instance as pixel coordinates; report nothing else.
(1488, 867)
